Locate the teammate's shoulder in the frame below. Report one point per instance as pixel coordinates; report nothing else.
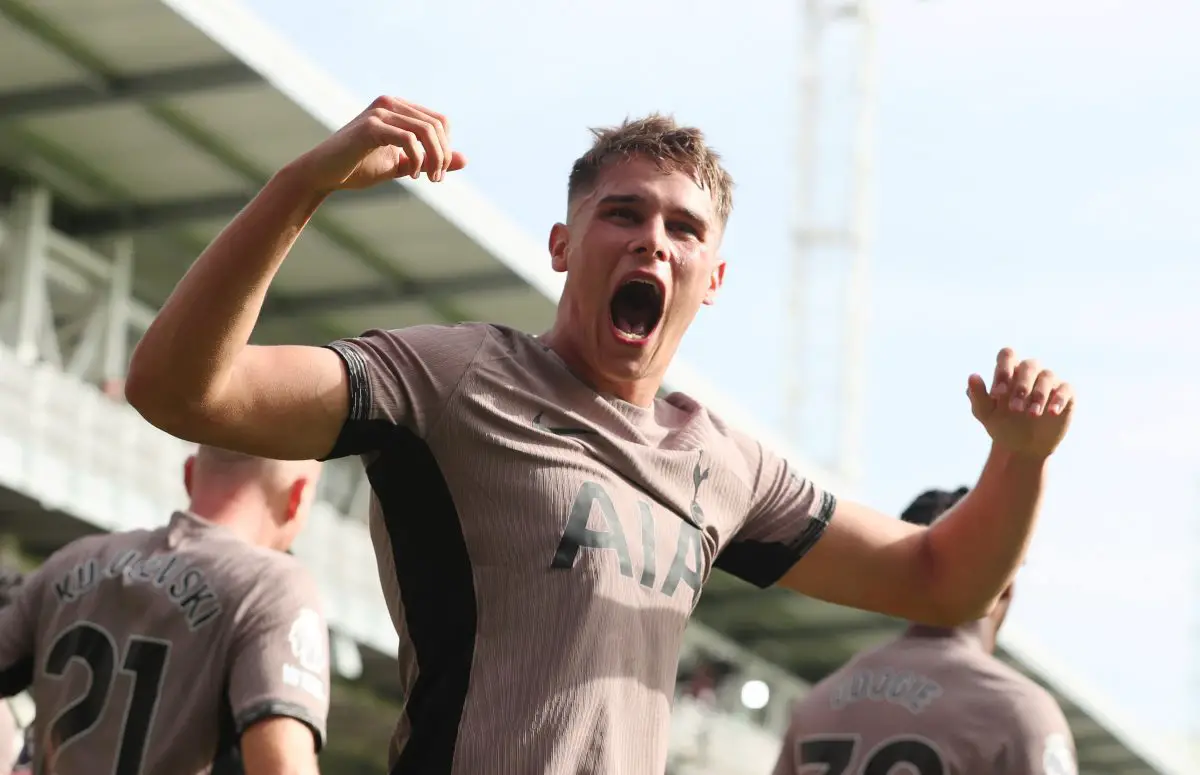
(1028, 701)
(96, 544)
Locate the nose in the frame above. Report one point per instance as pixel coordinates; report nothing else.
(651, 240)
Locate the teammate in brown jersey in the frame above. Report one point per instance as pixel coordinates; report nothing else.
(543, 522)
(12, 737)
(934, 699)
(158, 651)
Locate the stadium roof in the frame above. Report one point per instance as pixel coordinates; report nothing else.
(160, 118)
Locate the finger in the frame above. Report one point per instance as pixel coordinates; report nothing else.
(403, 116)
(435, 138)
(385, 130)
(1043, 385)
(1022, 384)
(1006, 359)
(441, 125)
(1062, 400)
(982, 404)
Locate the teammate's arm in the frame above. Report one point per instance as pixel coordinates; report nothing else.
(947, 574)
(194, 374)
(279, 675)
(278, 746)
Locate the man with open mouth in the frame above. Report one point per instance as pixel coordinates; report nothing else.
(543, 520)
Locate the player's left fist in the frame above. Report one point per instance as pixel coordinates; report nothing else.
(1028, 408)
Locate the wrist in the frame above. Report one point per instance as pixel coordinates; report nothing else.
(1017, 462)
(301, 178)
(295, 185)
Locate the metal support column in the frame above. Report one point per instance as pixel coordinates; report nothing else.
(115, 353)
(26, 301)
(832, 224)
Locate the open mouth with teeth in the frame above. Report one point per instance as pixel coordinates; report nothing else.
(636, 309)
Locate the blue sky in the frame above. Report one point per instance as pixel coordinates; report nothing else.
(1035, 188)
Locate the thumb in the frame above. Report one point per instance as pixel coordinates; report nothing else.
(981, 403)
(457, 161)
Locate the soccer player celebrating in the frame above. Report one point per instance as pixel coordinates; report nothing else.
(544, 521)
(159, 650)
(935, 699)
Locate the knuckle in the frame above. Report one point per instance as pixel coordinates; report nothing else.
(375, 126)
(382, 101)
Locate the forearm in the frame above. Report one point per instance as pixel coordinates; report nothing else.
(976, 549)
(190, 349)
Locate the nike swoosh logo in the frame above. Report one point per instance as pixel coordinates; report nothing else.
(564, 431)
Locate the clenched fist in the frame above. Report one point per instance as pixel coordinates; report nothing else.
(392, 138)
(1028, 408)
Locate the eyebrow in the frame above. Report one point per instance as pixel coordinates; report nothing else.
(628, 199)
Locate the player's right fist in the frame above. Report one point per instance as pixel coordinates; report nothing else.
(392, 138)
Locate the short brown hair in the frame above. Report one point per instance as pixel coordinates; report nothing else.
(660, 139)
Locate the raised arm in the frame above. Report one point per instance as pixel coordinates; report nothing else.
(194, 373)
(947, 574)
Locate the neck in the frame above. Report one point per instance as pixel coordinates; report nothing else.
(639, 392)
(981, 631)
(233, 514)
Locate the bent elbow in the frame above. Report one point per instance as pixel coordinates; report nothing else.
(151, 400)
(159, 405)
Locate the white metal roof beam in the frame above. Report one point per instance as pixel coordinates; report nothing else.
(144, 88)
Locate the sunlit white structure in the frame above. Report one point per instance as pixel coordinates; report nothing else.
(832, 222)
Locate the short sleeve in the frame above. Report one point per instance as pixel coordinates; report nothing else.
(18, 633)
(1040, 743)
(279, 665)
(788, 515)
(401, 378)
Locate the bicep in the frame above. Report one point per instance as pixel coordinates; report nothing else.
(869, 561)
(285, 402)
(278, 746)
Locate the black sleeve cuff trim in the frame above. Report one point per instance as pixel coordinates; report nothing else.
(764, 563)
(276, 709)
(360, 382)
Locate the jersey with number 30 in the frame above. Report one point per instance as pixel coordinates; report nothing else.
(932, 702)
(151, 651)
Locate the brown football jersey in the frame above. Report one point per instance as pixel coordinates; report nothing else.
(936, 701)
(151, 651)
(541, 546)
